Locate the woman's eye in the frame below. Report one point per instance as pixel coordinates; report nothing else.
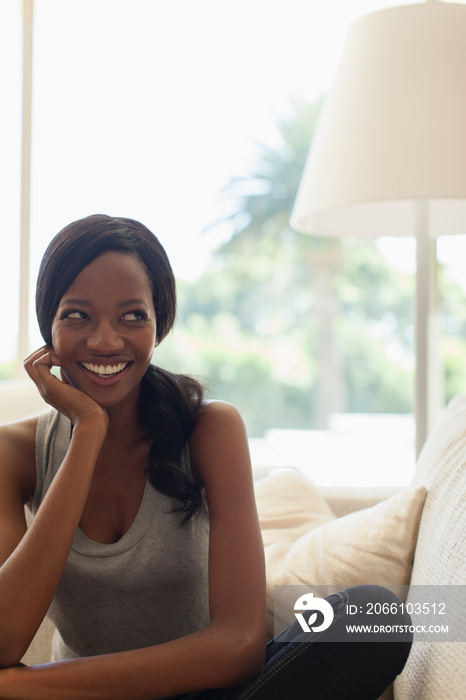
(75, 314)
(135, 316)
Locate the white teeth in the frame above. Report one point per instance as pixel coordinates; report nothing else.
(104, 370)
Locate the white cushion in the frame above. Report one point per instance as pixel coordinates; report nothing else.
(371, 546)
(289, 505)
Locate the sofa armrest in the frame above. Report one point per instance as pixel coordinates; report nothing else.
(344, 500)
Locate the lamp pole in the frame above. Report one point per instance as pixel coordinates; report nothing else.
(429, 386)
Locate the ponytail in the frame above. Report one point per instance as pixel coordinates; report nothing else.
(169, 405)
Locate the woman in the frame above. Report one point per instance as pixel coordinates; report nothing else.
(144, 547)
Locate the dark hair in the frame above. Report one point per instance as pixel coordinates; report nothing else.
(168, 403)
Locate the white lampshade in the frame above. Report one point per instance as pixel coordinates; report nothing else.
(393, 130)
(389, 153)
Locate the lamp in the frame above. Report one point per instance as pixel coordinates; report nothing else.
(389, 155)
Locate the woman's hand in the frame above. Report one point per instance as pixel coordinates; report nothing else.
(72, 402)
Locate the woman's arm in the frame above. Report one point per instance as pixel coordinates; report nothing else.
(230, 650)
(32, 561)
(220, 457)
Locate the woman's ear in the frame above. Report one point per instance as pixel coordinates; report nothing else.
(53, 356)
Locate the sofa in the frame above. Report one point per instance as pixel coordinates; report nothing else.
(405, 538)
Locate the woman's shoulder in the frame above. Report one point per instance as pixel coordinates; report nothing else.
(19, 436)
(217, 415)
(219, 437)
(17, 452)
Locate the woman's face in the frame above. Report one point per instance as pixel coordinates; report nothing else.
(104, 331)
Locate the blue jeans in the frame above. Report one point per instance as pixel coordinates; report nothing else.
(319, 666)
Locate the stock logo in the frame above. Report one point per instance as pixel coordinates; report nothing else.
(307, 603)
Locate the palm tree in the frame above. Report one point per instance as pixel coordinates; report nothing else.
(268, 254)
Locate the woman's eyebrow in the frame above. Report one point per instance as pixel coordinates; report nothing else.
(130, 302)
(79, 302)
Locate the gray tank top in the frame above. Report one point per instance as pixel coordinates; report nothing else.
(146, 589)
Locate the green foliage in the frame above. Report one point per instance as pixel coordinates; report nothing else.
(269, 384)
(254, 338)
(376, 381)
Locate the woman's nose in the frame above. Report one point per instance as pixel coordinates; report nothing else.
(104, 338)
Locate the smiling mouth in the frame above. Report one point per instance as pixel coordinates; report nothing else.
(105, 371)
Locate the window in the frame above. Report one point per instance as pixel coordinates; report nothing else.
(148, 109)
